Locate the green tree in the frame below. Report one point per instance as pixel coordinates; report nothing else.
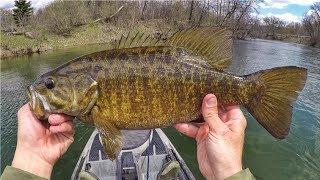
(22, 12)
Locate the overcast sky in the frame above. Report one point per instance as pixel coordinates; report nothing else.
(7, 4)
(287, 10)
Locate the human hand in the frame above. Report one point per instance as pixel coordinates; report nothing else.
(219, 140)
(40, 144)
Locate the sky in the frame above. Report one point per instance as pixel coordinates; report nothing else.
(8, 4)
(287, 10)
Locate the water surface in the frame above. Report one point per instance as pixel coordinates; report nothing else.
(296, 157)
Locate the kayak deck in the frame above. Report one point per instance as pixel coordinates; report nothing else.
(142, 157)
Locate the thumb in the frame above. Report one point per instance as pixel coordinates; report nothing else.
(210, 112)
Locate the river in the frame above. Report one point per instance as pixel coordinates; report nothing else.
(296, 157)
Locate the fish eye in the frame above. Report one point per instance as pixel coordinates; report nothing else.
(49, 83)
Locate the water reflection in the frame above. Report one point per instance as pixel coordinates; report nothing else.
(16, 75)
(296, 157)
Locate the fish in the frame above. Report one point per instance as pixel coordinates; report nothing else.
(146, 82)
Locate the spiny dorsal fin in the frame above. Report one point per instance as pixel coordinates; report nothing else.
(139, 39)
(214, 44)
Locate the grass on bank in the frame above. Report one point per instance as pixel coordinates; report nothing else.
(82, 35)
(86, 34)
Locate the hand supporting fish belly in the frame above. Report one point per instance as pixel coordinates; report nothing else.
(147, 83)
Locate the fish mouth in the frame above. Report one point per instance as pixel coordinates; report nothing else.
(38, 104)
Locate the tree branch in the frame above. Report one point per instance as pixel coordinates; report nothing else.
(110, 17)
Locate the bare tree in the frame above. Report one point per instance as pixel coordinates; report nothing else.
(190, 12)
(312, 24)
(273, 25)
(7, 21)
(144, 6)
(62, 16)
(204, 10)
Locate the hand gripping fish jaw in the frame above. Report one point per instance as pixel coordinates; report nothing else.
(37, 105)
(59, 94)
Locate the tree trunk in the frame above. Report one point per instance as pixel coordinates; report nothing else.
(190, 13)
(143, 9)
(202, 13)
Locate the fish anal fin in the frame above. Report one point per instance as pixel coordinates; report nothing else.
(111, 137)
(213, 44)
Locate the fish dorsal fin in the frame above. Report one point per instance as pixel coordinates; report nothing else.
(138, 39)
(213, 44)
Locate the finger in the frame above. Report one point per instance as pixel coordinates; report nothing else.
(223, 115)
(66, 127)
(202, 133)
(230, 112)
(56, 119)
(198, 124)
(237, 125)
(229, 108)
(210, 112)
(223, 112)
(25, 110)
(235, 113)
(187, 129)
(236, 120)
(26, 113)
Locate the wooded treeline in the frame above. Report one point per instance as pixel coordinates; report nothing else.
(61, 17)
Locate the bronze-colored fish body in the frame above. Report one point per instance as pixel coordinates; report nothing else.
(154, 86)
(145, 84)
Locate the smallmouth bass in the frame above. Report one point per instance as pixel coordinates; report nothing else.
(147, 83)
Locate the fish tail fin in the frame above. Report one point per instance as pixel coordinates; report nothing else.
(277, 89)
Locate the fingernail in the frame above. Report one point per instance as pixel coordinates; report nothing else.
(211, 102)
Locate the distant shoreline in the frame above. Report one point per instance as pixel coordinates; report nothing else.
(39, 50)
(280, 41)
(17, 45)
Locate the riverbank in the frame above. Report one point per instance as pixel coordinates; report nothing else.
(289, 38)
(95, 33)
(14, 45)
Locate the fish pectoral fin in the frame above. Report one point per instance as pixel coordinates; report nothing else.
(112, 142)
(111, 137)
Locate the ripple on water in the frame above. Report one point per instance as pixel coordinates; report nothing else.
(296, 157)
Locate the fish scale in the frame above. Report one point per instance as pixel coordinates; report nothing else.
(146, 83)
(152, 89)
(148, 97)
